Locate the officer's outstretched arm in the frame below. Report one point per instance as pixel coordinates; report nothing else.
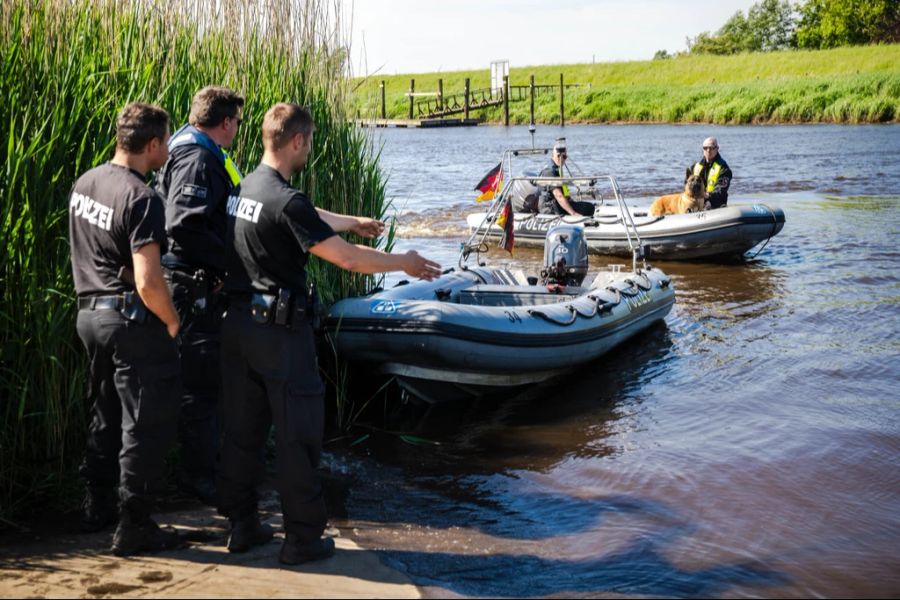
(361, 226)
(151, 287)
(362, 259)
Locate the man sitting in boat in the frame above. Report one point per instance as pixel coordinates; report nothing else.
(555, 200)
(715, 173)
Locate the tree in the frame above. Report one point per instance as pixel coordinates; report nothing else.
(832, 23)
(769, 25)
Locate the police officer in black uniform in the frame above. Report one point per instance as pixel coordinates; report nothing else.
(195, 183)
(555, 199)
(269, 365)
(127, 323)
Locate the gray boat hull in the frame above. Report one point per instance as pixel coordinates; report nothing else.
(725, 232)
(484, 329)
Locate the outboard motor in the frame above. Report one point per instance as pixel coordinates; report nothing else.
(565, 256)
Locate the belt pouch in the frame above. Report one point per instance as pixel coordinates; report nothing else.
(283, 308)
(262, 308)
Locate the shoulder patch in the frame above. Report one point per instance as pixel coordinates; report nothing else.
(197, 191)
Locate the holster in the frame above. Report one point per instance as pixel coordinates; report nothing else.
(133, 308)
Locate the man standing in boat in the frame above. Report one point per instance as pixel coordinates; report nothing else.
(269, 370)
(555, 199)
(715, 173)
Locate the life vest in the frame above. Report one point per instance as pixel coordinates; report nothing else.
(191, 135)
(712, 177)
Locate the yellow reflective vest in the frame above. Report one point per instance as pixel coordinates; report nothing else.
(713, 176)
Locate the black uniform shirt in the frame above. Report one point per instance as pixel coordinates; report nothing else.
(271, 227)
(195, 187)
(113, 213)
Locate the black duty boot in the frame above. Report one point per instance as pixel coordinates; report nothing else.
(99, 509)
(295, 552)
(248, 532)
(135, 537)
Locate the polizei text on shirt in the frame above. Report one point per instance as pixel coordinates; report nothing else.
(87, 208)
(244, 208)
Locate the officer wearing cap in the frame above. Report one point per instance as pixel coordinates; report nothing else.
(195, 183)
(555, 199)
(270, 375)
(715, 172)
(127, 323)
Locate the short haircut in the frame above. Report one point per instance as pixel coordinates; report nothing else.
(282, 122)
(213, 104)
(138, 123)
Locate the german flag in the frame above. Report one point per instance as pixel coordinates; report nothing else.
(505, 220)
(490, 184)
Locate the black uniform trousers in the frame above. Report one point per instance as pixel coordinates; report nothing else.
(198, 423)
(135, 391)
(550, 206)
(270, 377)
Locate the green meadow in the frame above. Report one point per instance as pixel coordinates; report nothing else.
(858, 84)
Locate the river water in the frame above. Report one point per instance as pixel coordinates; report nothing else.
(748, 447)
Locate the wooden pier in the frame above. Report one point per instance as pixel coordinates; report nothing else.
(429, 109)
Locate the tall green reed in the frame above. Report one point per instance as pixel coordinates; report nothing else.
(66, 68)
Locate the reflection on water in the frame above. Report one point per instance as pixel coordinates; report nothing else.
(746, 447)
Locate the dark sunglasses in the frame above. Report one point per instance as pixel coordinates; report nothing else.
(238, 119)
(561, 152)
(710, 147)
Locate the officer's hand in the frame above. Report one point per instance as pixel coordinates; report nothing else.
(173, 328)
(421, 267)
(367, 228)
(707, 206)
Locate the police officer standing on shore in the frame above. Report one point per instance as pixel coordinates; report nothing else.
(715, 173)
(195, 183)
(270, 374)
(127, 323)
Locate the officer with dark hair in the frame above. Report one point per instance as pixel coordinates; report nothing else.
(127, 323)
(269, 369)
(195, 184)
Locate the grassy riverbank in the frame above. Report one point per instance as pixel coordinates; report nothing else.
(843, 85)
(66, 69)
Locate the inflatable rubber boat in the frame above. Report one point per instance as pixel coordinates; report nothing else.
(479, 329)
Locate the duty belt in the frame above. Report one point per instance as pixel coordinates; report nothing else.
(101, 303)
(129, 304)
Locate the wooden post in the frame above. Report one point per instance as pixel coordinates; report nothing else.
(412, 99)
(562, 102)
(506, 100)
(383, 115)
(531, 93)
(440, 98)
(466, 111)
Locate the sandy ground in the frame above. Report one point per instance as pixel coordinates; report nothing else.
(73, 565)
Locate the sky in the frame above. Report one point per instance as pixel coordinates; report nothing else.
(416, 36)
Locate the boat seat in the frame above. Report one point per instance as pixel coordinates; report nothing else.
(504, 277)
(514, 295)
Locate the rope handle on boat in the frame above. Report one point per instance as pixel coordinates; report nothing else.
(600, 306)
(774, 227)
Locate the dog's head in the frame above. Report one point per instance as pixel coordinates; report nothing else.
(693, 187)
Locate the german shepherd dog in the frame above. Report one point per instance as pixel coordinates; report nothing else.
(693, 199)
